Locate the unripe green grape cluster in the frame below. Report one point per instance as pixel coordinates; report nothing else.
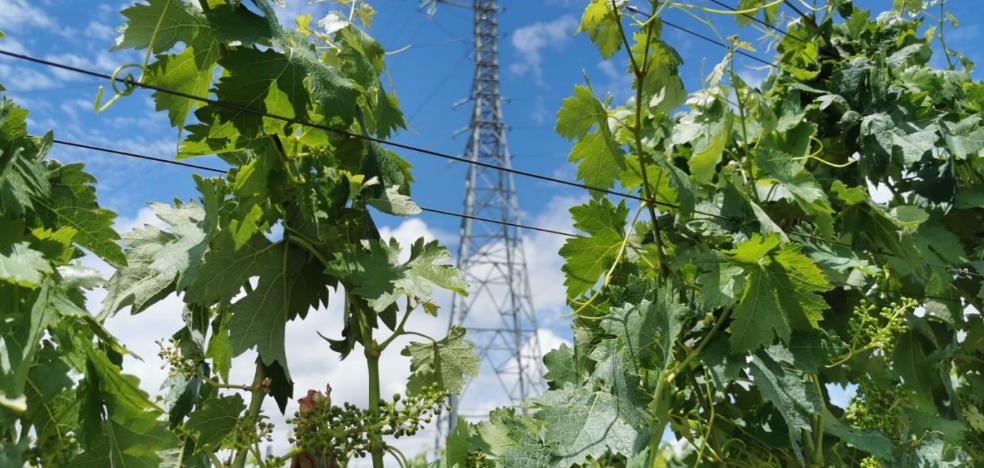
(408, 417)
(877, 408)
(174, 361)
(870, 462)
(248, 433)
(52, 451)
(342, 432)
(880, 325)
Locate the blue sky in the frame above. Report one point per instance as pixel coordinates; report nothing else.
(541, 61)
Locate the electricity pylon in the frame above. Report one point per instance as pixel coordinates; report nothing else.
(498, 311)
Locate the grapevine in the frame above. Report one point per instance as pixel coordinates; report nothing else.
(757, 274)
(764, 274)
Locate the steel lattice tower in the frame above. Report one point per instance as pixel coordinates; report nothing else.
(498, 312)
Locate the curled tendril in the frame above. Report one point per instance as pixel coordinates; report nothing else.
(816, 156)
(129, 85)
(734, 440)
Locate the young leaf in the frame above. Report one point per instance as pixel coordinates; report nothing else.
(587, 258)
(444, 363)
(378, 276)
(156, 258)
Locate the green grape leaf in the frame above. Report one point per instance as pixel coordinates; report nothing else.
(180, 396)
(648, 328)
(23, 266)
(513, 441)
(377, 274)
(722, 282)
(872, 442)
(23, 177)
(600, 22)
(395, 203)
(122, 424)
(561, 367)
(21, 336)
(226, 269)
(215, 419)
(189, 72)
(580, 423)
(444, 363)
(780, 293)
(388, 117)
(281, 294)
(458, 444)
(52, 405)
(791, 175)
(252, 78)
(966, 137)
(711, 135)
(935, 451)
(599, 157)
(587, 258)
(232, 22)
(156, 258)
(795, 399)
(579, 113)
(219, 349)
(159, 25)
(73, 203)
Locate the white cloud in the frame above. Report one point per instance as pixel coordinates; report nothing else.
(101, 62)
(618, 84)
(13, 45)
(530, 41)
(753, 76)
(98, 30)
(16, 15)
(20, 78)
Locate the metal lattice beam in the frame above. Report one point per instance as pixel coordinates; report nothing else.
(498, 312)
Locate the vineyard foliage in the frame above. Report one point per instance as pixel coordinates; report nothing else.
(763, 274)
(288, 230)
(759, 275)
(62, 396)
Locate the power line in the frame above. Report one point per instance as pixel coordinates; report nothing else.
(757, 20)
(704, 37)
(450, 213)
(496, 221)
(425, 151)
(714, 41)
(144, 157)
(136, 155)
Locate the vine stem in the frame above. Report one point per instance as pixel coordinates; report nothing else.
(744, 127)
(946, 51)
(255, 403)
(400, 330)
(611, 270)
(376, 446)
(297, 238)
(700, 347)
(640, 75)
(817, 456)
(291, 453)
(432, 340)
(215, 460)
